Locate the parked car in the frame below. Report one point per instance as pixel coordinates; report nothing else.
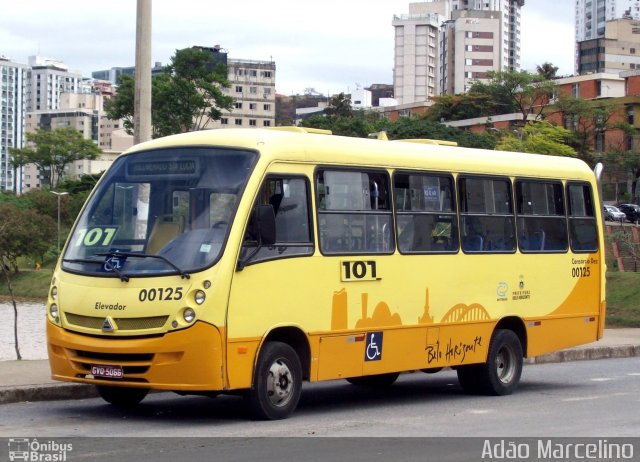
(612, 213)
(632, 211)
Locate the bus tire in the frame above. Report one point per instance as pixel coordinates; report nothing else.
(501, 373)
(375, 381)
(122, 396)
(277, 382)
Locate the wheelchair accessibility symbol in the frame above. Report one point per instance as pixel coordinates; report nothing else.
(374, 346)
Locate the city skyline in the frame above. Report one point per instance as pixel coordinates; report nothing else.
(332, 49)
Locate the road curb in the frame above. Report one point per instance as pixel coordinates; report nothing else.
(48, 392)
(584, 354)
(63, 391)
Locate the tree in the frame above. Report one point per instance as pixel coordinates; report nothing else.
(25, 233)
(460, 107)
(588, 121)
(359, 124)
(547, 70)
(526, 93)
(186, 97)
(414, 127)
(539, 138)
(53, 150)
(339, 105)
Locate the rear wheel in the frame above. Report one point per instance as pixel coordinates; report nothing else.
(277, 382)
(121, 396)
(375, 381)
(501, 373)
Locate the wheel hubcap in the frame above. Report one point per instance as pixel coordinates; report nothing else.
(506, 364)
(279, 383)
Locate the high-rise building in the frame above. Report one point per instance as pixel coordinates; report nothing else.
(48, 80)
(617, 51)
(592, 16)
(415, 67)
(469, 49)
(511, 19)
(476, 36)
(13, 107)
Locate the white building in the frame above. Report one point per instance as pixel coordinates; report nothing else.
(48, 80)
(415, 67)
(13, 106)
(467, 38)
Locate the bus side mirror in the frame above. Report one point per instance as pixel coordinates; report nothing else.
(266, 224)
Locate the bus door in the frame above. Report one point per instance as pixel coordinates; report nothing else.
(273, 284)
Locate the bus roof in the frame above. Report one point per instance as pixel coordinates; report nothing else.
(287, 145)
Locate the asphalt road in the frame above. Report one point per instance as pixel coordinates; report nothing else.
(577, 399)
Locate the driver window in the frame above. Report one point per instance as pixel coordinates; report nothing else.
(289, 198)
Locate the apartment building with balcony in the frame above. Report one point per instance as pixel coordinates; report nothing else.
(14, 90)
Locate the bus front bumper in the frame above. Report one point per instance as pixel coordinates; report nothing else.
(184, 360)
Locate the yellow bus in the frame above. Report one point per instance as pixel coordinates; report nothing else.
(250, 261)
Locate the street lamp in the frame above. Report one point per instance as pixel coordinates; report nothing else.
(59, 194)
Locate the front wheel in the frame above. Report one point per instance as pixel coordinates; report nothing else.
(500, 375)
(277, 382)
(122, 396)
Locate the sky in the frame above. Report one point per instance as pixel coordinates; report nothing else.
(332, 46)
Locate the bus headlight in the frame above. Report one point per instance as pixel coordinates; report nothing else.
(189, 315)
(200, 297)
(53, 311)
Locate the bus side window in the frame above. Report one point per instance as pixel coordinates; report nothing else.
(583, 231)
(426, 213)
(354, 212)
(541, 219)
(289, 198)
(486, 215)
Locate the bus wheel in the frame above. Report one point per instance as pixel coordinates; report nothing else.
(375, 381)
(501, 373)
(121, 396)
(277, 382)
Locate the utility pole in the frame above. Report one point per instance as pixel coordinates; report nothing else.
(59, 195)
(142, 98)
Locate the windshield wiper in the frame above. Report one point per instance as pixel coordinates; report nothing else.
(183, 274)
(123, 277)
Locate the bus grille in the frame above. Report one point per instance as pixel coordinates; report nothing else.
(132, 363)
(94, 322)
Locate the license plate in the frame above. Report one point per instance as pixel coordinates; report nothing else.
(108, 372)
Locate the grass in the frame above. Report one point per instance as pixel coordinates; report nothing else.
(623, 299)
(28, 283)
(623, 293)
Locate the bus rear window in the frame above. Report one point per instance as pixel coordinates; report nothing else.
(583, 231)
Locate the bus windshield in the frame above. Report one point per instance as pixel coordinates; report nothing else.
(165, 211)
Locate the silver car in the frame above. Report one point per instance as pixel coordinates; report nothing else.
(613, 213)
